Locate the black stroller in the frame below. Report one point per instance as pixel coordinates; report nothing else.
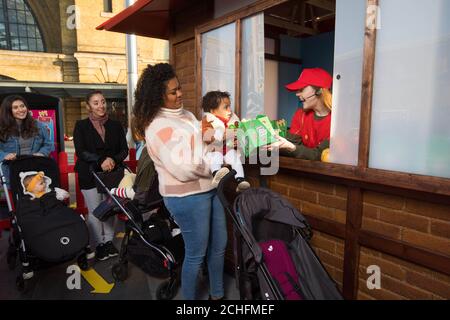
(273, 258)
(45, 232)
(151, 243)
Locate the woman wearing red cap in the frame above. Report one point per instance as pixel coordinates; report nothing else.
(310, 128)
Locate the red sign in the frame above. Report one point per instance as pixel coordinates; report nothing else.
(48, 118)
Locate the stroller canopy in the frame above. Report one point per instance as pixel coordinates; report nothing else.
(267, 215)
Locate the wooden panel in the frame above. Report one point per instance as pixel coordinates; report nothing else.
(428, 184)
(238, 69)
(198, 78)
(351, 250)
(327, 226)
(367, 90)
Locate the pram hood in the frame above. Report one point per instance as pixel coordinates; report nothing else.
(260, 205)
(23, 175)
(263, 203)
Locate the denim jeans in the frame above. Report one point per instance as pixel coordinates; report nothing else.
(201, 219)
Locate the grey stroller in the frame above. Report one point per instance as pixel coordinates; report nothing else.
(273, 258)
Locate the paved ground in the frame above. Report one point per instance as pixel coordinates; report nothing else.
(51, 283)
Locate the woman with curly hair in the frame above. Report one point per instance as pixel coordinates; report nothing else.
(174, 142)
(20, 134)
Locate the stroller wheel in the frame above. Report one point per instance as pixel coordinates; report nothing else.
(83, 262)
(22, 285)
(166, 290)
(11, 257)
(120, 271)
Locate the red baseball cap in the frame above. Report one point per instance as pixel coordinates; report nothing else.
(311, 77)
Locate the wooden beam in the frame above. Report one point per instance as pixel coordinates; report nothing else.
(313, 18)
(294, 12)
(238, 69)
(323, 4)
(407, 181)
(405, 251)
(292, 19)
(258, 6)
(351, 250)
(198, 74)
(327, 226)
(367, 88)
(280, 23)
(396, 248)
(302, 13)
(283, 59)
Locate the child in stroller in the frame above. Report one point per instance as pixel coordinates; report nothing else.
(36, 184)
(45, 230)
(152, 241)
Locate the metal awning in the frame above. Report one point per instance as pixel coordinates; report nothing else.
(148, 18)
(64, 89)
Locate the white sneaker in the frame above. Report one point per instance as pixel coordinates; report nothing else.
(90, 254)
(222, 172)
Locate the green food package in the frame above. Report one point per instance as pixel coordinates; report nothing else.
(255, 133)
(280, 127)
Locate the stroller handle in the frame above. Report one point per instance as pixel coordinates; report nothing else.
(220, 188)
(4, 186)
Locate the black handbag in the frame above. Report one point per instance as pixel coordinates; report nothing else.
(110, 179)
(108, 208)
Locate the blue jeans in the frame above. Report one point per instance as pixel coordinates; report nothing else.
(201, 219)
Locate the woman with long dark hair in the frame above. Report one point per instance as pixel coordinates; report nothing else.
(20, 133)
(174, 142)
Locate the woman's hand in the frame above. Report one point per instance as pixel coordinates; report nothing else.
(281, 144)
(108, 164)
(10, 156)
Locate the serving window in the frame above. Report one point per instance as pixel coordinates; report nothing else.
(390, 73)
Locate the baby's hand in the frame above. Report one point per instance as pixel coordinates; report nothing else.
(207, 131)
(61, 194)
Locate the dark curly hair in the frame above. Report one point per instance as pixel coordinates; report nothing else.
(149, 94)
(8, 125)
(212, 100)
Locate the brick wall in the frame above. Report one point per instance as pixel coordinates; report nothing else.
(312, 197)
(331, 253)
(400, 279)
(416, 222)
(184, 53)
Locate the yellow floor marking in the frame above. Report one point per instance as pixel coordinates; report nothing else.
(120, 235)
(96, 281)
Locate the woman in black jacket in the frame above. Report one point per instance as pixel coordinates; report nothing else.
(101, 142)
